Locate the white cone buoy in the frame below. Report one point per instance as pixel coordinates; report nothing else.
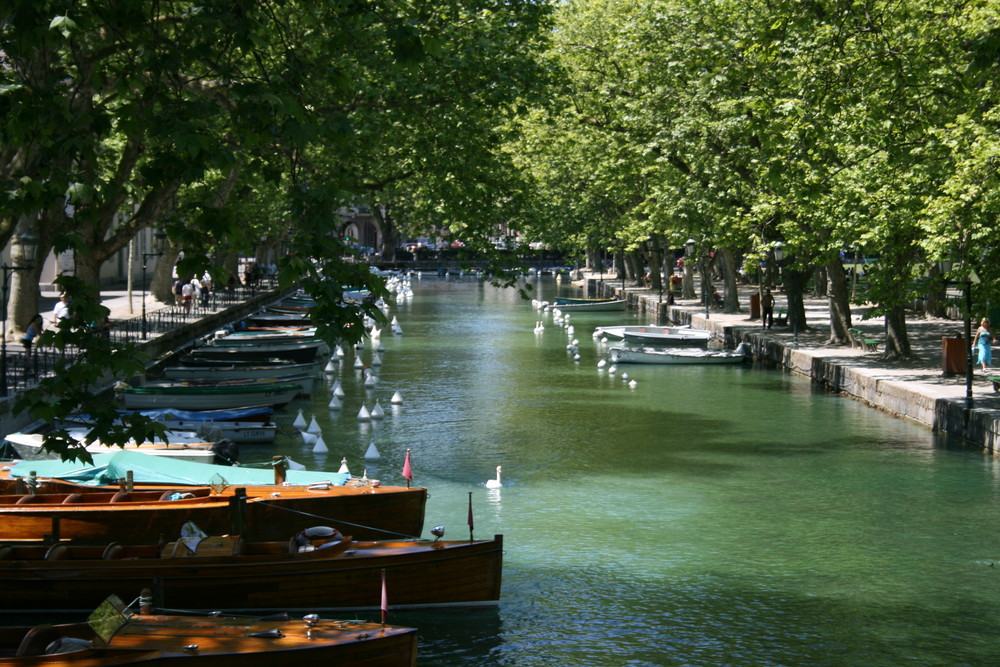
(633, 384)
(335, 404)
(313, 426)
(613, 369)
(358, 363)
(372, 452)
(363, 414)
(300, 421)
(320, 446)
(602, 363)
(371, 381)
(339, 352)
(309, 438)
(397, 399)
(376, 360)
(338, 391)
(331, 366)
(625, 377)
(343, 466)
(377, 411)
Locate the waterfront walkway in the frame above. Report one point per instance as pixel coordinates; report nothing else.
(914, 388)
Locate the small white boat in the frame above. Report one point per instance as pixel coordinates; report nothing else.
(182, 444)
(679, 356)
(237, 372)
(666, 335)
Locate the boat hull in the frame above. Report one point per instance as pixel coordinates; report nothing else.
(259, 576)
(207, 399)
(365, 512)
(235, 372)
(597, 306)
(299, 353)
(216, 641)
(673, 357)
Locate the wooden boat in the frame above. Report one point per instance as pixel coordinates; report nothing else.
(296, 573)
(650, 355)
(209, 380)
(666, 335)
(115, 636)
(297, 352)
(594, 305)
(192, 398)
(99, 511)
(279, 319)
(238, 371)
(179, 444)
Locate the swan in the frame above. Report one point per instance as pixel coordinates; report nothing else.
(494, 483)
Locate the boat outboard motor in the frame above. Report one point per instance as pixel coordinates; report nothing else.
(226, 451)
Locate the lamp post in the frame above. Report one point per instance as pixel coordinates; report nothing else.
(159, 237)
(689, 250)
(29, 245)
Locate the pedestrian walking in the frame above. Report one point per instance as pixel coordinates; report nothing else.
(767, 309)
(61, 311)
(983, 341)
(187, 291)
(31, 332)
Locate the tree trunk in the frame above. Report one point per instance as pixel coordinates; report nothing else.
(935, 303)
(897, 342)
(820, 282)
(688, 282)
(731, 296)
(840, 302)
(795, 283)
(655, 265)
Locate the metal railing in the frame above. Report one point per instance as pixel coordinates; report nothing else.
(24, 373)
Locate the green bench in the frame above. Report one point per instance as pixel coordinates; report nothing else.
(860, 339)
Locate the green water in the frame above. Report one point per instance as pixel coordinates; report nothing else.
(708, 516)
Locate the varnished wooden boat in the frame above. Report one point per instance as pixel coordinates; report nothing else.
(228, 572)
(297, 352)
(160, 640)
(193, 398)
(89, 515)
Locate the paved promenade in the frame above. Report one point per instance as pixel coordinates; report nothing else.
(915, 388)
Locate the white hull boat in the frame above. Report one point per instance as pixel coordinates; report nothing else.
(679, 356)
(239, 372)
(651, 335)
(179, 444)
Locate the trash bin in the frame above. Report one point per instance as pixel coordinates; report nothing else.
(754, 306)
(953, 357)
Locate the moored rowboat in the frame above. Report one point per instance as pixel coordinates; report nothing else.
(680, 356)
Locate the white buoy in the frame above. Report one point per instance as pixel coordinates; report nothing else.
(494, 483)
(371, 380)
(358, 363)
(320, 446)
(372, 452)
(335, 403)
(300, 421)
(397, 399)
(313, 426)
(377, 411)
(633, 384)
(363, 414)
(309, 438)
(624, 377)
(338, 391)
(602, 363)
(339, 352)
(613, 369)
(331, 366)
(343, 466)
(376, 360)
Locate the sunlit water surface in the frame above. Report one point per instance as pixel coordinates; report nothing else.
(708, 516)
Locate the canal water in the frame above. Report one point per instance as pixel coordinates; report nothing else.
(705, 516)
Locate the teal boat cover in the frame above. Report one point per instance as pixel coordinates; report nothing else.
(149, 469)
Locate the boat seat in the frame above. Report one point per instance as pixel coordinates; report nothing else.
(36, 639)
(30, 500)
(113, 551)
(57, 552)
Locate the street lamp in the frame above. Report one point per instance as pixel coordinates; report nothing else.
(944, 267)
(159, 238)
(29, 245)
(689, 249)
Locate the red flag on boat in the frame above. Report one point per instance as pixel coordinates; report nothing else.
(385, 599)
(407, 471)
(471, 522)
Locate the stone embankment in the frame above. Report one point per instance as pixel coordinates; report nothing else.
(917, 388)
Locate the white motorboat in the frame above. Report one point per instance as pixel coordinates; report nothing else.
(677, 356)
